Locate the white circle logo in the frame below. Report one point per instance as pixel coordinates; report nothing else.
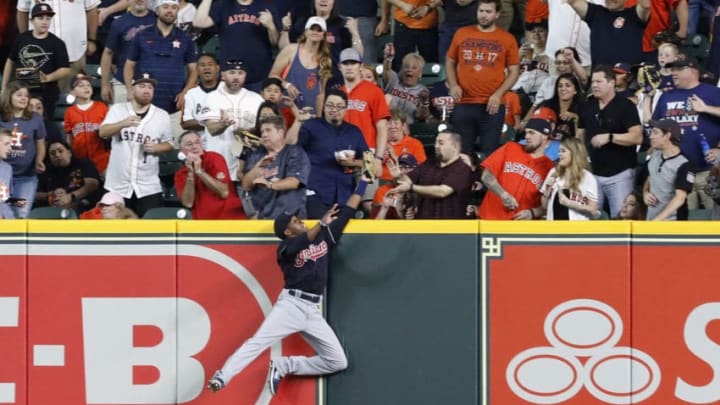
(578, 329)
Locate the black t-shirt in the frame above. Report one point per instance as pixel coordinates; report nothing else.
(560, 211)
(617, 117)
(70, 179)
(566, 128)
(460, 15)
(46, 54)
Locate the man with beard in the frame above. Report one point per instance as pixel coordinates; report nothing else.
(277, 173)
(204, 184)
(475, 66)
(167, 53)
(335, 148)
(443, 184)
(612, 132)
(195, 99)
(140, 132)
(514, 175)
(122, 32)
(228, 111)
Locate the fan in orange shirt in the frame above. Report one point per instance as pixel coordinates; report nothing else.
(82, 122)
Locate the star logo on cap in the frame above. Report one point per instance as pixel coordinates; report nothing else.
(146, 75)
(176, 44)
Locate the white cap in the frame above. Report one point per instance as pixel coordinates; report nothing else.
(159, 3)
(111, 198)
(315, 20)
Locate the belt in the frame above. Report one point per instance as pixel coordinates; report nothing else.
(305, 296)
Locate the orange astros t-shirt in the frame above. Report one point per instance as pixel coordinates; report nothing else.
(366, 106)
(519, 174)
(481, 61)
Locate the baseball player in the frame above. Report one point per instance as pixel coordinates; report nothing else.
(140, 132)
(303, 258)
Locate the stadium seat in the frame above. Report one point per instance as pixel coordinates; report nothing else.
(168, 213)
(699, 215)
(52, 213)
(170, 163)
(603, 216)
(432, 73)
(212, 45)
(426, 134)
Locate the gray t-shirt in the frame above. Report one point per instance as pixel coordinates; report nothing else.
(666, 176)
(292, 161)
(404, 98)
(5, 183)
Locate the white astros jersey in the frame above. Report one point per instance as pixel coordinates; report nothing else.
(194, 102)
(69, 22)
(242, 108)
(130, 168)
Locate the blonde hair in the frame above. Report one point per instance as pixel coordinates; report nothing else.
(575, 171)
(670, 45)
(324, 58)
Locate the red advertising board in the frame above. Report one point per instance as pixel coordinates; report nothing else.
(603, 319)
(138, 319)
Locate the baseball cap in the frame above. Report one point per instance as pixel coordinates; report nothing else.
(623, 68)
(350, 55)
(111, 198)
(542, 23)
(41, 9)
(235, 64)
(80, 77)
(668, 125)
(271, 81)
(545, 113)
(281, 223)
(686, 62)
(159, 3)
(315, 20)
(144, 78)
(407, 160)
(540, 125)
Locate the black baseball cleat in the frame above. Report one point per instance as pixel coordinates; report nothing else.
(216, 383)
(274, 378)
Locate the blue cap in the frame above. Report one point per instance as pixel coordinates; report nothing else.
(144, 77)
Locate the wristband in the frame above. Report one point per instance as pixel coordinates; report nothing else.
(412, 186)
(199, 172)
(323, 224)
(610, 137)
(287, 85)
(92, 40)
(360, 188)
(379, 158)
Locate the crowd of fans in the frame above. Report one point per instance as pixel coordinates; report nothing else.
(547, 109)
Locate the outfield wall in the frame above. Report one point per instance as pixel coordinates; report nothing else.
(430, 312)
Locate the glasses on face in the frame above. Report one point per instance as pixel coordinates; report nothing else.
(562, 62)
(334, 107)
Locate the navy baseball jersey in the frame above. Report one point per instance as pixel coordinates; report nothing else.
(305, 262)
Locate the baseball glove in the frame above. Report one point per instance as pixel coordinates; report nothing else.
(648, 78)
(368, 167)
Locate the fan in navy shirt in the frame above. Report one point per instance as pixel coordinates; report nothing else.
(254, 22)
(166, 52)
(122, 31)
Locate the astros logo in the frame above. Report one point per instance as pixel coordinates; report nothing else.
(583, 329)
(4, 192)
(17, 138)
